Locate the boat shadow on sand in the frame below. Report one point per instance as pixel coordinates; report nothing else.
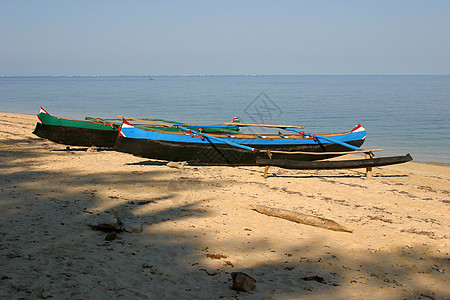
(82, 149)
(148, 163)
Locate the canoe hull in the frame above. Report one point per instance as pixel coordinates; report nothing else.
(222, 154)
(77, 136)
(98, 132)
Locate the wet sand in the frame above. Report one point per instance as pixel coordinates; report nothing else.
(199, 226)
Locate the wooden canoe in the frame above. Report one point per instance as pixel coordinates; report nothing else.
(96, 131)
(227, 149)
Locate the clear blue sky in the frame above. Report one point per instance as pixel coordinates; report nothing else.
(118, 37)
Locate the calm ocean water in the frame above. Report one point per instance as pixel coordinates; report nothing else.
(402, 114)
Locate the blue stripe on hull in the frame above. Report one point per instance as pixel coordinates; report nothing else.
(137, 133)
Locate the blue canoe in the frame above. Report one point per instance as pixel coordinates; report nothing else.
(240, 149)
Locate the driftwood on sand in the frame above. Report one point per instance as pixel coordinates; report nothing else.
(300, 218)
(127, 220)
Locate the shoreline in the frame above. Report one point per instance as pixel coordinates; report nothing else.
(199, 226)
(423, 162)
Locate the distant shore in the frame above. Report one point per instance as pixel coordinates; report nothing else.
(199, 226)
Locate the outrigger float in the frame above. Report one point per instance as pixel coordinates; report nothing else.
(298, 150)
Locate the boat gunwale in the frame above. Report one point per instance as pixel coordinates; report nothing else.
(241, 136)
(75, 120)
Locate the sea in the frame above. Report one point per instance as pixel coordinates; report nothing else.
(402, 114)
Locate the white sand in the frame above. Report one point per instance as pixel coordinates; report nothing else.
(48, 197)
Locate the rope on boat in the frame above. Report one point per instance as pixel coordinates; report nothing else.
(194, 133)
(101, 121)
(215, 128)
(316, 136)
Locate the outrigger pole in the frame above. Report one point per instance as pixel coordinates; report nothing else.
(294, 128)
(216, 138)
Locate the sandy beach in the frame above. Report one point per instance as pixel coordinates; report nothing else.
(199, 226)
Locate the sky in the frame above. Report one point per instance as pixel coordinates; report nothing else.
(317, 37)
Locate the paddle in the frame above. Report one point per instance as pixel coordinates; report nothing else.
(262, 125)
(217, 139)
(324, 138)
(146, 121)
(206, 126)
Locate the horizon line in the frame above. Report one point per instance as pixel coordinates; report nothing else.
(187, 75)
